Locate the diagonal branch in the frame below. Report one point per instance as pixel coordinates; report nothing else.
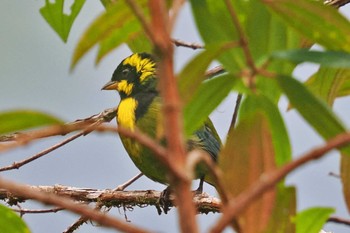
(17, 165)
(17, 139)
(270, 179)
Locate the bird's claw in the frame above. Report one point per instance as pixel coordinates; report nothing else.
(164, 201)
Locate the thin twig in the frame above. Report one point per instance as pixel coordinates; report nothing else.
(36, 211)
(64, 202)
(336, 3)
(339, 220)
(214, 72)
(17, 165)
(270, 179)
(81, 220)
(334, 175)
(181, 43)
(235, 113)
(127, 183)
(23, 138)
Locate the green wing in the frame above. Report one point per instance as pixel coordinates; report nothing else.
(206, 138)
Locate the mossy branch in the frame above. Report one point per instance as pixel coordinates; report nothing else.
(105, 197)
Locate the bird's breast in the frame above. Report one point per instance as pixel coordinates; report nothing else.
(126, 116)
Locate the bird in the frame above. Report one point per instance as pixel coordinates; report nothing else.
(136, 81)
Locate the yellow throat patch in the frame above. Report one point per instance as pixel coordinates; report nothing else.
(144, 66)
(124, 86)
(126, 113)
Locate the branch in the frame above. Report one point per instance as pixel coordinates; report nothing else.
(270, 179)
(336, 3)
(87, 125)
(181, 43)
(18, 139)
(19, 164)
(235, 113)
(214, 71)
(22, 211)
(172, 111)
(106, 220)
(205, 203)
(339, 220)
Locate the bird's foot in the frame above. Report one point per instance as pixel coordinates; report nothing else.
(199, 190)
(164, 201)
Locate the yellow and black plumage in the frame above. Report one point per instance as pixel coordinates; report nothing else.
(140, 107)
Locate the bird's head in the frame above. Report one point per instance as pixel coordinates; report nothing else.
(135, 74)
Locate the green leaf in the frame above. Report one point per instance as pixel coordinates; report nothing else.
(313, 19)
(193, 74)
(115, 26)
(60, 22)
(247, 154)
(344, 90)
(313, 219)
(215, 26)
(11, 222)
(264, 31)
(16, 120)
(269, 88)
(258, 103)
(208, 96)
(345, 178)
(313, 110)
(106, 3)
(140, 42)
(284, 211)
(332, 59)
(329, 83)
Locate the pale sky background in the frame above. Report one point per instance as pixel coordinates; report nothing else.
(34, 66)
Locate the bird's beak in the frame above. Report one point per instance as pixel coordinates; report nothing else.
(111, 85)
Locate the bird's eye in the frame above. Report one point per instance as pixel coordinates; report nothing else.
(125, 72)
